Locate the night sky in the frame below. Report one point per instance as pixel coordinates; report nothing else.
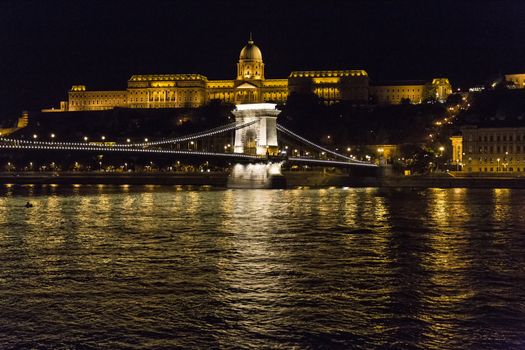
(47, 46)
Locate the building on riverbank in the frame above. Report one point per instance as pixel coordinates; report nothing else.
(250, 86)
(492, 150)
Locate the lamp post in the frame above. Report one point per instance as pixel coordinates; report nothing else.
(441, 150)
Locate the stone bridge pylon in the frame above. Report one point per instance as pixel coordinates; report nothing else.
(259, 138)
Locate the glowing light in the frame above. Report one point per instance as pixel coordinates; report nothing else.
(250, 106)
(85, 138)
(35, 136)
(103, 137)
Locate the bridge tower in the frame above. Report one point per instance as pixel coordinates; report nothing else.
(261, 137)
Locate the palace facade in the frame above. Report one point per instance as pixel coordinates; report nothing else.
(250, 86)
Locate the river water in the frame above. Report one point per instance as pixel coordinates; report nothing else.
(170, 267)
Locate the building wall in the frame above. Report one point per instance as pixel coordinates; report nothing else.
(457, 149)
(440, 88)
(332, 86)
(82, 100)
(394, 94)
(493, 150)
(517, 79)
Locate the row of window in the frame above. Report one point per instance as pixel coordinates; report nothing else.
(495, 160)
(498, 149)
(120, 102)
(497, 137)
(398, 90)
(496, 169)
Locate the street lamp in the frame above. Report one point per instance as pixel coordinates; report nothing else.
(35, 136)
(497, 169)
(85, 138)
(52, 136)
(103, 137)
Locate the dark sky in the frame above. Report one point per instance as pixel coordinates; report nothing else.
(47, 46)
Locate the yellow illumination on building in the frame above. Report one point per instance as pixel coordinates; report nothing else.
(326, 80)
(250, 86)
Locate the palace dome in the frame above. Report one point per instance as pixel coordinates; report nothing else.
(250, 52)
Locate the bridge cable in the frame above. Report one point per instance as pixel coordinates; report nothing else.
(291, 133)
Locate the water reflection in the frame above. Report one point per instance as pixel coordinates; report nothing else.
(304, 268)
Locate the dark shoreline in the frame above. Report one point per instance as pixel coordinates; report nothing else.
(293, 179)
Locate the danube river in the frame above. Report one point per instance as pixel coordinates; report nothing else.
(100, 267)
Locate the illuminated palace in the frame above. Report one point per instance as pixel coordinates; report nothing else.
(250, 86)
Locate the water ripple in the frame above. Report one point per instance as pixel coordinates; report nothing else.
(159, 267)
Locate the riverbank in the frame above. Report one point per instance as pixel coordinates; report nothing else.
(217, 179)
(293, 180)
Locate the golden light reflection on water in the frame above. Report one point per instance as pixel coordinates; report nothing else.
(447, 260)
(390, 266)
(502, 211)
(3, 211)
(250, 217)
